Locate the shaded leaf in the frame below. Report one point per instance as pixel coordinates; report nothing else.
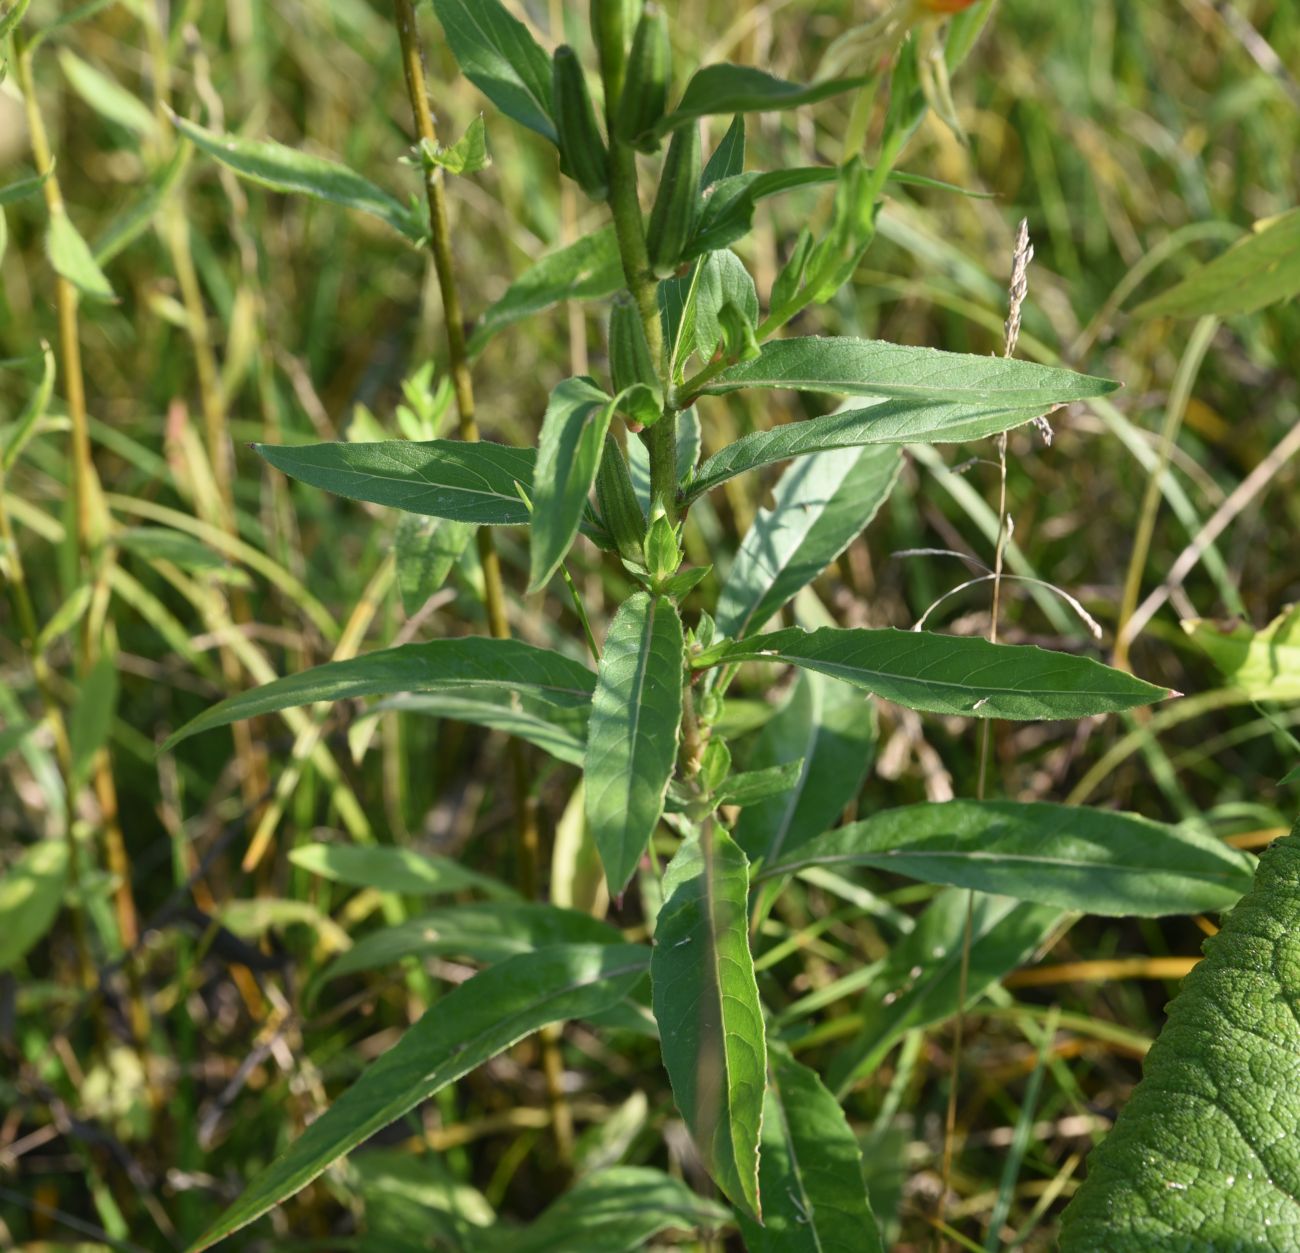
(1203, 1156)
(91, 717)
(474, 1022)
(71, 258)
(426, 549)
(467, 155)
(821, 504)
(294, 172)
(13, 439)
(21, 188)
(502, 59)
(31, 891)
(508, 665)
(843, 366)
(632, 731)
(390, 869)
(1259, 270)
(706, 1003)
(949, 674)
(107, 96)
(1090, 860)
(814, 1197)
(753, 787)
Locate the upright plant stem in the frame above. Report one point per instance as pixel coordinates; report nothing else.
(90, 530)
(527, 844)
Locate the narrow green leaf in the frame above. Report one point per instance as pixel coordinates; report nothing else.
(71, 258)
(1090, 860)
(257, 916)
(487, 931)
(587, 269)
(728, 159)
(390, 869)
(293, 172)
(753, 787)
(502, 59)
(865, 367)
(632, 732)
(508, 665)
(92, 717)
(1260, 270)
(481, 1018)
(445, 478)
(559, 729)
(887, 422)
(425, 550)
(65, 617)
(920, 981)
(161, 543)
(706, 1003)
(1203, 1156)
(23, 187)
(617, 1210)
(138, 214)
(811, 1176)
(832, 731)
(821, 504)
(14, 438)
(726, 88)
(10, 18)
(1264, 663)
(31, 891)
(572, 440)
(107, 96)
(949, 674)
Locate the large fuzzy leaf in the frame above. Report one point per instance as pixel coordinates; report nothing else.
(949, 674)
(1089, 860)
(506, 665)
(1204, 1155)
(814, 1197)
(820, 506)
(706, 1003)
(632, 731)
(476, 1021)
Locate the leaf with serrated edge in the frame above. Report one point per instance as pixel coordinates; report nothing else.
(810, 1173)
(474, 1022)
(632, 731)
(819, 507)
(1090, 860)
(842, 366)
(706, 1002)
(949, 674)
(444, 478)
(508, 665)
(1203, 1155)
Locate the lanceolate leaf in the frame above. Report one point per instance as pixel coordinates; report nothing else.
(502, 59)
(920, 981)
(726, 88)
(471, 1024)
(572, 440)
(814, 1198)
(1259, 270)
(865, 367)
(832, 730)
(949, 674)
(72, 259)
(706, 1003)
(485, 932)
(507, 665)
(1203, 1156)
(559, 729)
(1090, 860)
(821, 504)
(293, 172)
(632, 732)
(617, 1210)
(390, 869)
(445, 478)
(584, 270)
(31, 891)
(426, 549)
(886, 422)
(106, 96)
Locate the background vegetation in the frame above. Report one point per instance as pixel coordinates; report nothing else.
(163, 1042)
